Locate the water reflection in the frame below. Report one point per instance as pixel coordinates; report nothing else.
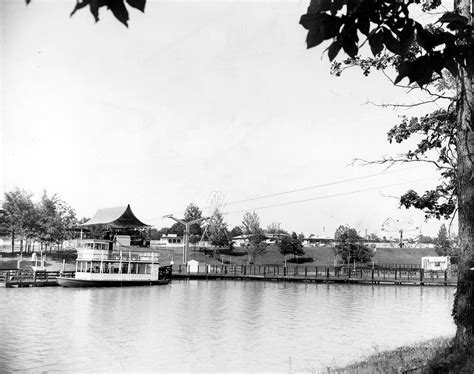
(213, 326)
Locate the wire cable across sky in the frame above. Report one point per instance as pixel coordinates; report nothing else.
(315, 187)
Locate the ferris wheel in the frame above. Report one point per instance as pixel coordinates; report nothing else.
(401, 226)
(215, 203)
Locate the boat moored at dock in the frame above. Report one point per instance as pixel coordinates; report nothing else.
(114, 261)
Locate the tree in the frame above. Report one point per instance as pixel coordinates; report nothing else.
(56, 219)
(177, 228)
(217, 230)
(349, 246)
(191, 213)
(425, 239)
(391, 26)
(291, 245)
(443, 245)
(19, 215)
(236, 231)
(254, 233)
(275, 228)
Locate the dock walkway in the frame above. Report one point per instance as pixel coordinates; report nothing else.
(314, 274)
(306, 274)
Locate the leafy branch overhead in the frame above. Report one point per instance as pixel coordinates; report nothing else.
(352, 23)
(117, 7)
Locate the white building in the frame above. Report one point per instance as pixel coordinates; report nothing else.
(435, 263)
(169, 240)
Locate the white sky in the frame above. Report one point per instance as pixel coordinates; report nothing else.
(194, 97)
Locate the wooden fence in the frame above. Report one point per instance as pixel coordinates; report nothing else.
(396, 275)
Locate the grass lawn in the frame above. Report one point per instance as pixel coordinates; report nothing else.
(322, 256)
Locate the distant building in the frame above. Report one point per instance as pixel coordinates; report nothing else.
(317, 241)
(169, 240)
(435, 263)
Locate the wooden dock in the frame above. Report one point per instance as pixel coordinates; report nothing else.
(30, 278)
(402, 275)
(314, 274)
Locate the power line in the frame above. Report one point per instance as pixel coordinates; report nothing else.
(309, 188)
(319, 186)
(326, 196)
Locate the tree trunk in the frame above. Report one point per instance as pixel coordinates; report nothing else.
(13, 241)
(463, 311)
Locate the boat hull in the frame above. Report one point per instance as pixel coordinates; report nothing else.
(73, 282)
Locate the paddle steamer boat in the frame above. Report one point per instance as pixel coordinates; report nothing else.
(115, 262)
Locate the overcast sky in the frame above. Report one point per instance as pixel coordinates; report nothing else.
(196, 97)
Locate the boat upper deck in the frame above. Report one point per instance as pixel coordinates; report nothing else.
(107, 250)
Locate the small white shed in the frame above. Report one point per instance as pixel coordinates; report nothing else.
(193, 266)
(435, 263)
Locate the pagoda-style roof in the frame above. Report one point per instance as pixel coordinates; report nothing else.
(118, 217)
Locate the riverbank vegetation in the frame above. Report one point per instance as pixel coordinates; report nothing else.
(49, 221)
(423, 357)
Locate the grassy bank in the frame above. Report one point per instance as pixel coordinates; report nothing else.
(408, 359)
(322, 256)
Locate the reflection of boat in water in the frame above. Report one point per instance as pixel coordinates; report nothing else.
(104, 263)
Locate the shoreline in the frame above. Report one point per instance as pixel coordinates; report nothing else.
(413, 358)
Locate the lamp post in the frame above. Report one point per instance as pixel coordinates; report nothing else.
(187, 225)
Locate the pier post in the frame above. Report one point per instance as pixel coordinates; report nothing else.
(316, 272)
(327, 272)
(284, 271)
(264, 271)
(305, 272)
(445, 277)
(421, 276)
(395, 272)
(372, 275)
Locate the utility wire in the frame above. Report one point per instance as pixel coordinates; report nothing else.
(318, 186)
(308, 188)
(327, 196)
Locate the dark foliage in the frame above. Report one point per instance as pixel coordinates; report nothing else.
(388, 26)
(300, 260)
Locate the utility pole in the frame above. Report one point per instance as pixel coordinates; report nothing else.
(187, 225)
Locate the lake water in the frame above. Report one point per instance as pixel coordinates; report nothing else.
(213, 325)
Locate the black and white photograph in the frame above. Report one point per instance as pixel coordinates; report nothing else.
(236, 186)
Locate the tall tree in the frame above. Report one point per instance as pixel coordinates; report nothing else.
(191, 213)
(56, 219)
(254, 233)
(19, 215)
(390, 25)
(349, 245)
(291, 245)
(236, 231)
(217, 230)
(443, 244)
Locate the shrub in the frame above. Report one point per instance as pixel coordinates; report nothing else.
(300, 260)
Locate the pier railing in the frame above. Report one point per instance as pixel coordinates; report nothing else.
(26, 278)
(376, 275)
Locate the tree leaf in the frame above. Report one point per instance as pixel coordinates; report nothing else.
(350, 47)
(314, 37)
(449, 17)
(309, 21)
(119, 10)
(79, 5)
(392, 44)
(94, 8)
(317, 6)
(333, 50)
(138, 4)
(376, 42)
(363, 24)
